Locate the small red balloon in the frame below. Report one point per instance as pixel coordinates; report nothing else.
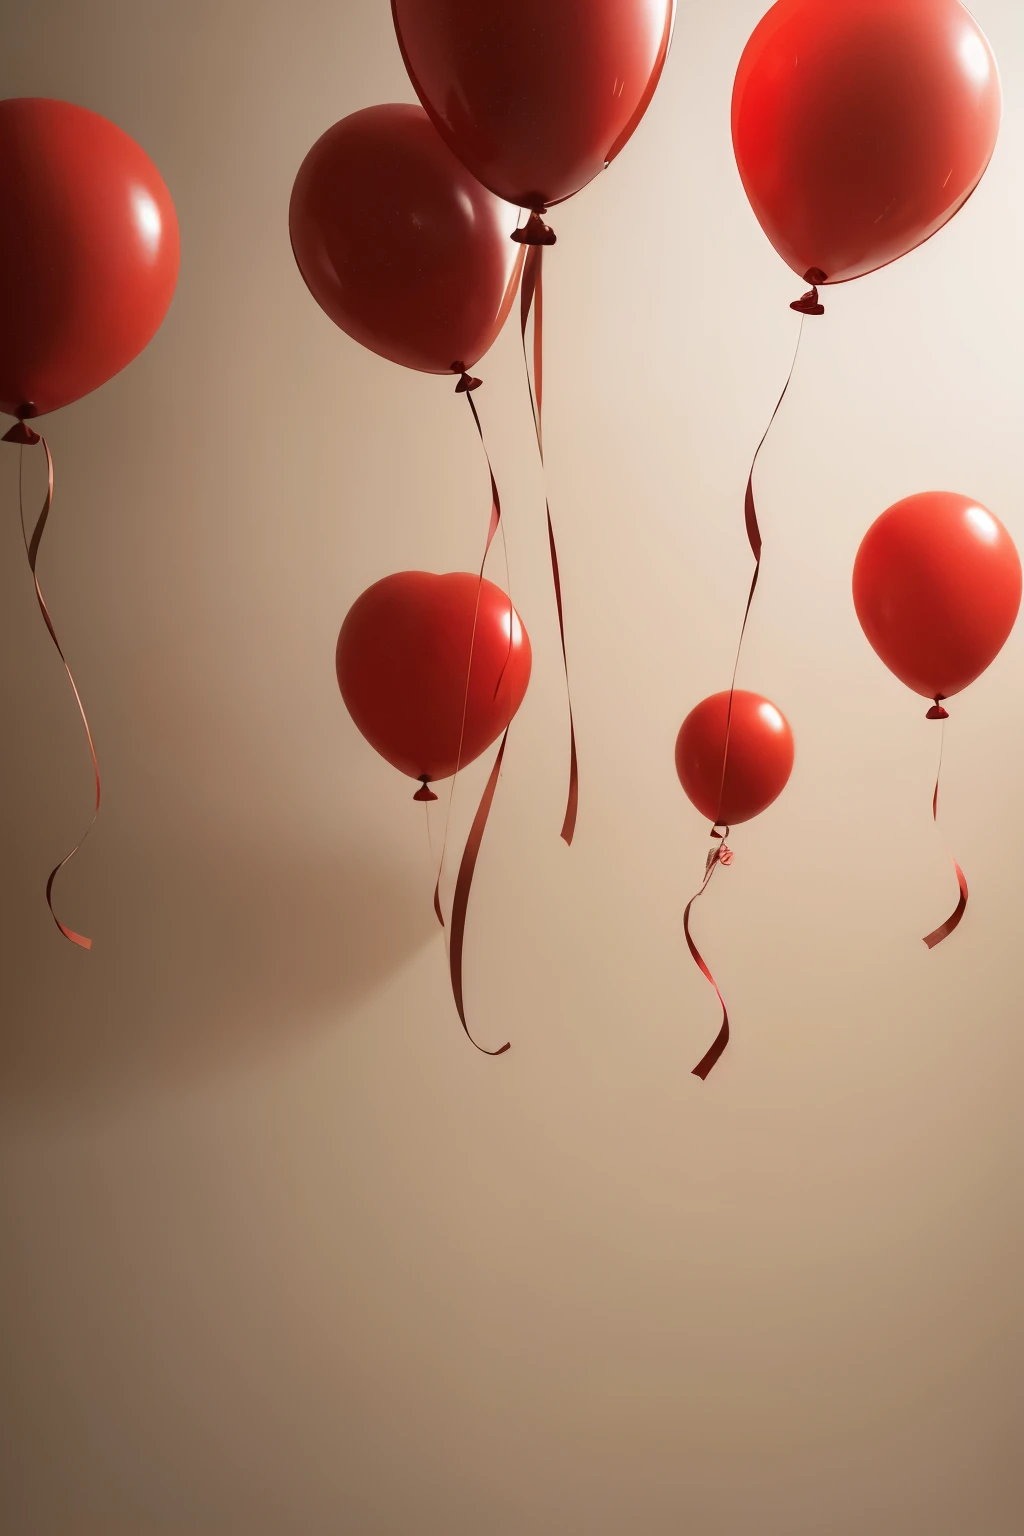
(937, 588)
(399, 245)
(403, 658)
(89, 253)
(536, 97)
(861, 127)
(760, 756)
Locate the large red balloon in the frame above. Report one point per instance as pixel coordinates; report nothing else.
(398, 243)
(88, 253)
(403, 656)
(536, 97)
(760, 757)
(937, 588)
(861, 127)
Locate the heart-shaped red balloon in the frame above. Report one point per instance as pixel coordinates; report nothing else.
(861, 127)
(937, 588)
(403, 659)
(760, 756)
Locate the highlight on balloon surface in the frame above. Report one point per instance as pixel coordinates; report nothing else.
(88, 268)
(937, 589)
(734, 757)
(433, 669)
(536, 98)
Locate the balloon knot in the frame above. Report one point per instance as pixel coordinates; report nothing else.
(937, 712)
(426, 794)
(21, 432)
(467, 382)
(535, 231)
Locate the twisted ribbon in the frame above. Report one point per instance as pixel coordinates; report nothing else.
(809, 304)
(952, 922)
(536, 235)
(464, 881)
(24, 436)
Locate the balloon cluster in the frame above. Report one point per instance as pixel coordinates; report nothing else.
(860, 128)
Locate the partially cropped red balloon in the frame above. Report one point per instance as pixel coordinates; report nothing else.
(937, 588)
(536, 97)
(88, 253)
(403, 659)
(861, 127)
(400, 246)
(760, 756)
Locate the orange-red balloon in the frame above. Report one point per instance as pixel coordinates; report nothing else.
(398, 243)
(937, 588)
(861, 127)
(403, 659)
(760, 756)
(88, 253)
(536, 97)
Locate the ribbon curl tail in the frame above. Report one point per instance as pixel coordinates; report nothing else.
(717, 856)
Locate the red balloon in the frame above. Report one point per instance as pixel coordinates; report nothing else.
(760, 757)
(937, 588)
(88, 258)
(861, 127)
(399, 245)
(535, 96)
(403, 656)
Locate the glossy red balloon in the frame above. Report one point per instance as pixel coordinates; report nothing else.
(937, 588)
(403, 656)
(88, 253)
(861, 127)
(760, 756)
(398, 243)
(536, 97)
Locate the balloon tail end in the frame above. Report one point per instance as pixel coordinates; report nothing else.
(425, 794)
(21, 432)
(535, 232)
(937, 712)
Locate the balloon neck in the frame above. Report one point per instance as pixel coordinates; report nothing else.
(20, 432)
(535, 231)
(466, 383)
(426, 794)
(937, 712)
(810, 303)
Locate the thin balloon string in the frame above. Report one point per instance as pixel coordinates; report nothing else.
(952, 922)
(532, 302)
(32, 545)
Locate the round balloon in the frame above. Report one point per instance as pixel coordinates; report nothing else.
(937, 588)
(403, 659)
(760, 756)
(861, 127)
(399, 245)
(89, 254)
(535, 96)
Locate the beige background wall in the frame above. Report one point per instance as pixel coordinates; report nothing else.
(281, 1253)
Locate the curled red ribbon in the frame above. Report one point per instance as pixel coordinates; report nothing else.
(952, 922)
(536, 235)
(24, 436)
(464, 883)
(718, 856)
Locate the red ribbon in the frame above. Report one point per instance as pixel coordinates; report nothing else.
(25, 436)
(808, 305)
(537, 235)
(467, 868)
(953, 922)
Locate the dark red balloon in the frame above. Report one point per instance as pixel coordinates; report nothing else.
(861, 127)
(398, 243)
(536, 97)
(403, 656)
(760, 756)
(937, 588)
(88, 253)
